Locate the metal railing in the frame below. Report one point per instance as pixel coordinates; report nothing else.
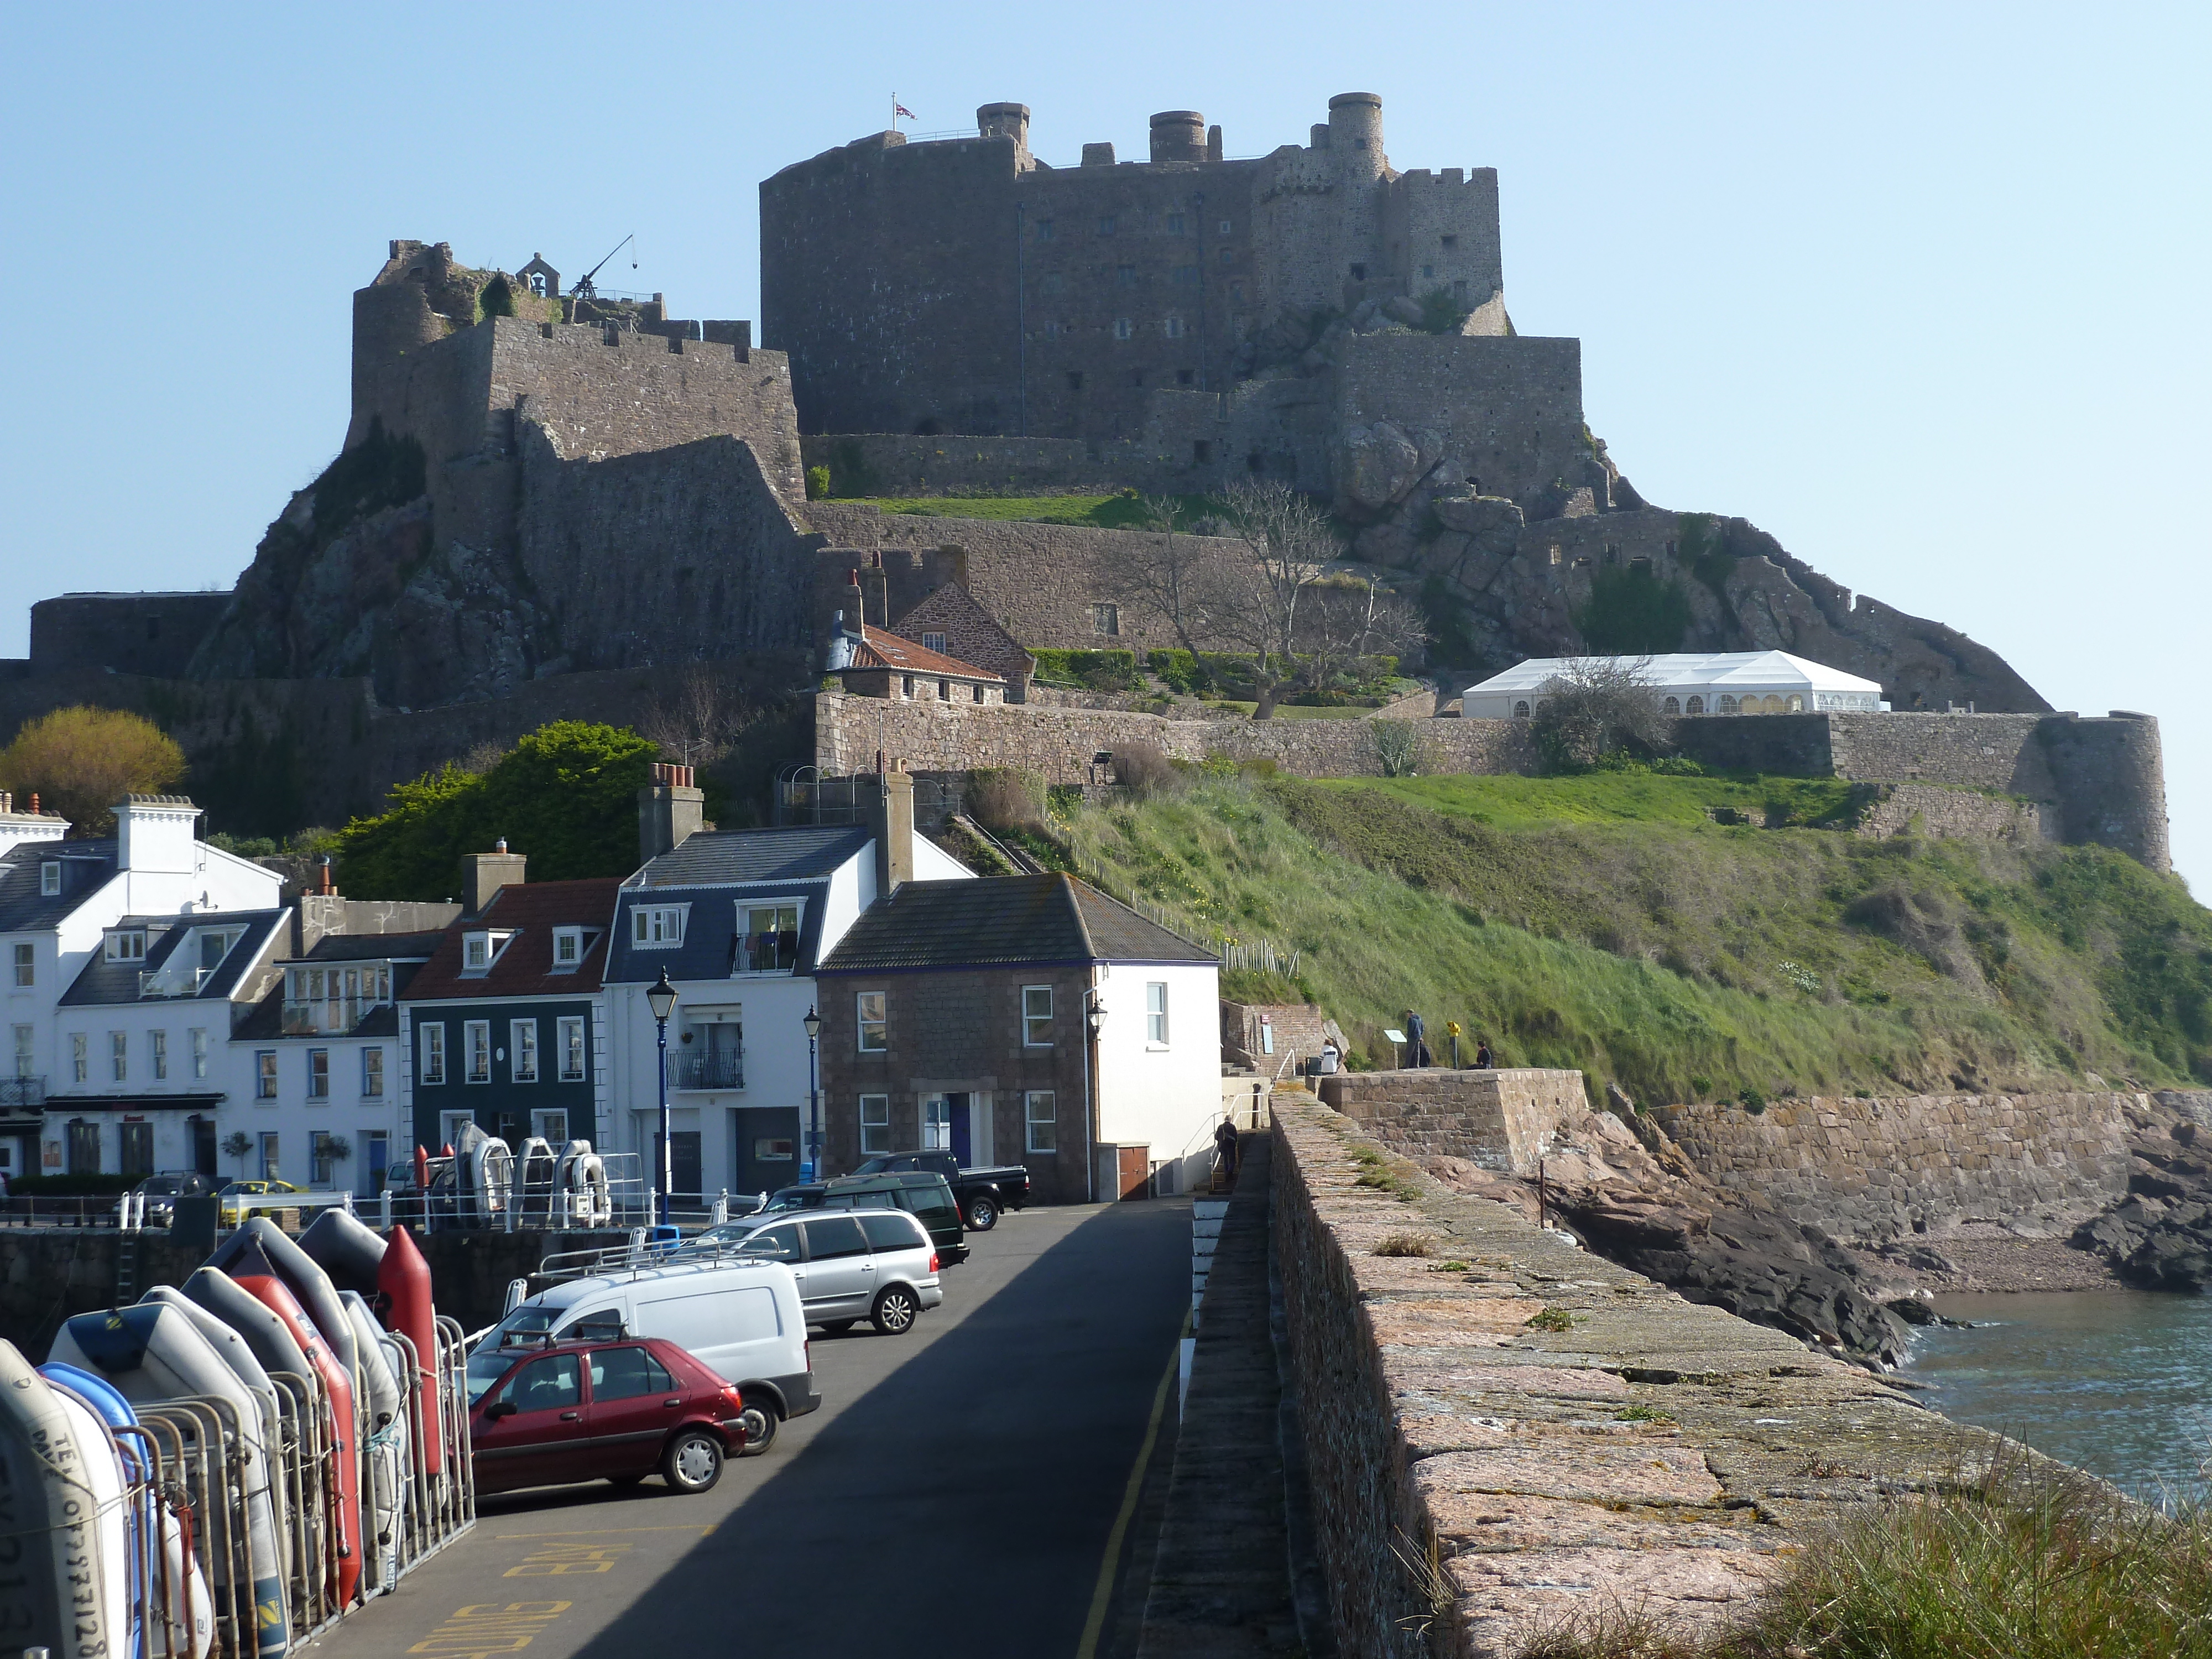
(1258, 954)
(716, 1068)
(20, 1094)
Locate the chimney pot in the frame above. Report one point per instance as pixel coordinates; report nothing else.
(501, 845)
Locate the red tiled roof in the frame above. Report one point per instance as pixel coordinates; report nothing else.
(872, 647)
(531, 910)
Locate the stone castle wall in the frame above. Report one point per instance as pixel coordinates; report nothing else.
(1872, 1170)
(128, 633)
(1953, 814)
(1505, 1121)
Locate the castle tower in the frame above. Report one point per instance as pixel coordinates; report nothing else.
(1004, 121)
(1355, 136)
(1178, 135)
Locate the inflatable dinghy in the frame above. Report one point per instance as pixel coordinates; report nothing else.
(345, 1248)
(103, 1468)
(382, 1390)
(54, 1594)
(310, 1285)
(403, 1287)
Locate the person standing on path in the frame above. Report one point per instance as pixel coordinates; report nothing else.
(1416, 1040)
(1483, 1060)
(1224, 1150)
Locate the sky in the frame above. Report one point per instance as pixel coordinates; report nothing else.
(1919, 289)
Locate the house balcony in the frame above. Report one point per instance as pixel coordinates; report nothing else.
(23, 1096)
(715, 1069)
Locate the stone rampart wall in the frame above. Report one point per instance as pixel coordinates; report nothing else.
(124, 633)
(896, 464)
(1503, 1120)
(1872, 1170)
(1954, 814)
(1434, 1417)
(1058, 743)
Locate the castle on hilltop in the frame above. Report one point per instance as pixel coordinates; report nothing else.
(556, 504)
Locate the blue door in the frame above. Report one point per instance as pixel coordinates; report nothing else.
(960, 1130)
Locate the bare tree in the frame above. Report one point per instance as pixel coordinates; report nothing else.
(1595, 705)
(1167, 576)
(696, 721)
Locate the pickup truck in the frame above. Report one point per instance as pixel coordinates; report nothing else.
(982, 1195)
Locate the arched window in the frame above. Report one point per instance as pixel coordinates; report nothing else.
(1727, 704)
(1671, 706)
(1769, 704)
(1796, 704)
(1697, 705)
(1521, 709)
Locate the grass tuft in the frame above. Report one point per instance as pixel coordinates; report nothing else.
(1407, 1244)
(1551, 1319)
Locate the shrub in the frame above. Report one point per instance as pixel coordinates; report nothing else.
(1005, 798)
(1751, 1101)
(82, 761)
(1092, 670)
(818, 483)
(1550, 1318)
(1593, 708)
(1407, 1244)
(1632, 612)
(1397, 748)
(1144, 770)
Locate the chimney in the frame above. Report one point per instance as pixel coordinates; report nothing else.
(877, 585)
(154, 835)
(326, 884)
(891, 821)
(18, 827)
(670, 811)
(482, 874)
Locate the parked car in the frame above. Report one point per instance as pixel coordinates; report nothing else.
(162, 1191)
(604, 1411)
(983, 1193)
(875, 1264)
(924, 1195)
(233, 1213)
(738, 1316)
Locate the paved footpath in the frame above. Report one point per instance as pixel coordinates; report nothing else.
(955, 1493)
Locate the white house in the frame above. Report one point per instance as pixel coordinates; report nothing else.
(60, 901)
(738, 919)
(1692, 682)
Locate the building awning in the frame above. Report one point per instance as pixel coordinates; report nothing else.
(64, 1105)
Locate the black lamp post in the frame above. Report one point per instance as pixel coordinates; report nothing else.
(813, 1024)
(661, 999)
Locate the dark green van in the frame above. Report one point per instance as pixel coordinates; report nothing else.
(924, 1195)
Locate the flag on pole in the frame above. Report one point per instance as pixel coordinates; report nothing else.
(899, 109)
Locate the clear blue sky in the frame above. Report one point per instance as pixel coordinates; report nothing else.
(1921, 290)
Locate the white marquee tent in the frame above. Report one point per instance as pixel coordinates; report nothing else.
(1693, 683)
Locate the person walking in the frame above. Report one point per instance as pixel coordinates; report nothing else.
(1224, 1150)
(1416, 1039)
(1483, 1059)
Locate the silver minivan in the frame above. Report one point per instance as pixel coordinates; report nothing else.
(851, 1265)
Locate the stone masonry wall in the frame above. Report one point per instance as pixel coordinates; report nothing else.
(1505, 1121)
(1872, 1170)
(124, 633)
(1954, 814)
(1434, 1417)
(1058, 743)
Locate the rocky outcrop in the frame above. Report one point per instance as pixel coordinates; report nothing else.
(2160, 1236)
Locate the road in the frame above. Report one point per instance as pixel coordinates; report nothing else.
(955, 1493)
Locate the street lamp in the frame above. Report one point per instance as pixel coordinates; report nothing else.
(661, 999)
(813, 1024)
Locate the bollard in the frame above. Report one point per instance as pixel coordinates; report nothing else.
(721, 1207)
(386, 1217)
(346, 1201)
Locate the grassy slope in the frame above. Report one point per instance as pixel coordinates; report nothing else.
(1605, 923)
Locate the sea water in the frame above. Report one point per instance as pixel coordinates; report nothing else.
(2117, 1382)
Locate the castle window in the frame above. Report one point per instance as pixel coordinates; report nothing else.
(1136, 377)
(1184, 376)
(1044, 230)
(1186, 274)
(1075, 379)
(907, 685)
(1125, 275)
(1106, 619)
(1228, 256)
(1174, 224)
(1225, 227)
(1174, 328)
(1360, 273)
(1202, 452)
(1123, 328)
(933, 642)
(1106, 225)
(1428, 271)
(978, 691)
(1449, 242)
(944, 690)
(1459, 290)
(1236, 294)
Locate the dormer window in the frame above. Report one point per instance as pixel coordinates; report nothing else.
(50, 878)
(126, 944)
(480, 950)
(768, 939)
(215, 945)
(568, 949)
(657, 926)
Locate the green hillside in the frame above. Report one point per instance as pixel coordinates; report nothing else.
(1608, 922)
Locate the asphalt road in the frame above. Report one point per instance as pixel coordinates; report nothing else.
(955, 1493)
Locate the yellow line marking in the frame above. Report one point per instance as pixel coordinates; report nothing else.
(603, 1532)
(1088, 1648)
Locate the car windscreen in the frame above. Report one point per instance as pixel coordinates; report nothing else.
(504, 1344)
(160, 1184)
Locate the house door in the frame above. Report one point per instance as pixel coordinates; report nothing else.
(375, 1159)
(767, 1143)
(683, 1164)
(963, 1140)
(204, 1146)
(136, 1143)
(1135, 1171)
(84, 1148)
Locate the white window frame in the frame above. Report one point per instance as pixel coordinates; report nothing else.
(318, 1094)
(119, 1055)
(476, 1046)
(658, 927)
(157, 1046)
(27, 1039)
(198, 1041)
(371, 1071)
(1124, 329)
(522, 1051)
(431, 1044)
(125, 944)
(571, 1033)
(934, 642)
(80, 1058)
(875, 1124)
(1049, 1122)
(879, 1023)
(50, 878)
(479, 950)
(746, 910)
(27, 964)
(1032, 1022)
(567, 949)
(265, 1074)
(1156, 1013)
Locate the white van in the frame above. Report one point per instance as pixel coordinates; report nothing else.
(740, 1318)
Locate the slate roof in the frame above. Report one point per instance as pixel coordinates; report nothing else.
(85, 866)
(731, 856)
(373, 947)
(525, 968)
(1002, 920)
(710, 931)
(105, 982)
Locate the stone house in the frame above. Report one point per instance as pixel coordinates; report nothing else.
(951, 621)
(874, 662)
(1023, 1020)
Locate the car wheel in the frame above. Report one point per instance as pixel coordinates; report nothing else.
(896, 1311)
(760, 1421)
(983, 1214)
(693, 1461)
(838, 1327)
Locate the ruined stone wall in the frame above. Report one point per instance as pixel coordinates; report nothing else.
(1441, 229)
(1502, 1121)
(1058, 743)
(1871, 1170)
(1974, 752)
(1953, 814)
(128, 633)
(1433, 1416)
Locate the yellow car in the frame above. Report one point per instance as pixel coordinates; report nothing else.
(234, 1213)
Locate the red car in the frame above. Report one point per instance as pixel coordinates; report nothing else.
(615, 1411)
